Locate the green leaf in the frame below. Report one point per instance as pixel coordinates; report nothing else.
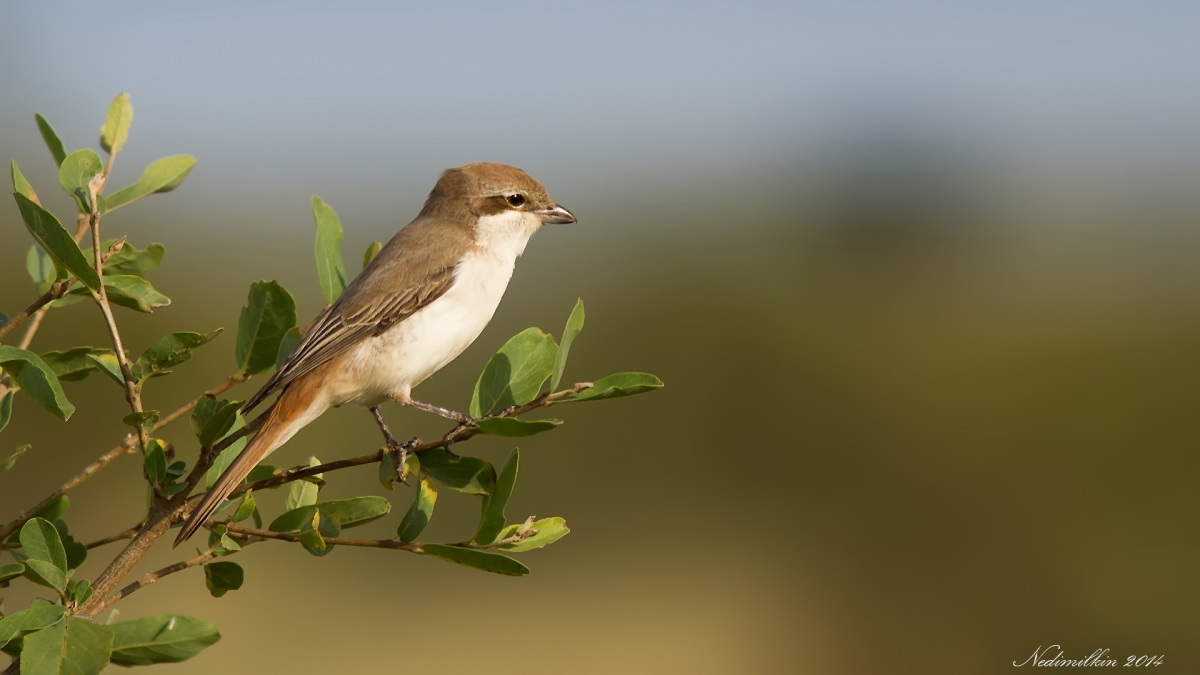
(168, 352)
(51, 140)
(224, 544)
(40, 541)
(287, 345)
(246, 507)
(61, 246)
(513, 427)
(300, 493)
(130, 291)
(369, 255)
(79, 590)
(331, 273)
(262, 472)
(515, 374)
(74, 364)
(492, 519)
(312, 538)
(107, 363)
(134, 292)
(55, 509)
(76, 551)
(222, 577)
(38, 616)
(420, 512)
(162, 175)
(226, 457)
(313, 542)
(141, 420)
(115, 131)
(11, 460)
(37, 379)
(615, 386)
(161, 639)
(41, 268)
(388, 470)
(303, 492)
(546, 532)
(76, 172)
(411, 466)
(72, 647)
(574, 325)
(480, 560)
(349, 513)
(156, 462)
(10, 571)
(212, 419)
(269, 312)
(68, 300)
(46, 574)
(131, 261)
(177, 469)
(6, 411)
(20, 184)
(462, 473)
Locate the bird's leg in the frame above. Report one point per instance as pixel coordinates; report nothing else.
(461, 418)
(464, 420)
(400, 449)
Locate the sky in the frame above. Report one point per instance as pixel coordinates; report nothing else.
(613, 92)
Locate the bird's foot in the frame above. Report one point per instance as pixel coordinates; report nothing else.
(449, 440)
(401, 450)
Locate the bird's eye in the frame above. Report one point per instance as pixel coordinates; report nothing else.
(515, 200)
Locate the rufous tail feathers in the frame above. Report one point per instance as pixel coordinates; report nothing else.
(293, 410)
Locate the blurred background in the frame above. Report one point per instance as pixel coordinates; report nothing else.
(921, 279)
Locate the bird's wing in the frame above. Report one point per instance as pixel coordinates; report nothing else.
(349, 321)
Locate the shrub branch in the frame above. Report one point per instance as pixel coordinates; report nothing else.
(163, 515)
(153, 577)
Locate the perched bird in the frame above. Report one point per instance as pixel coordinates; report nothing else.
(423, 299)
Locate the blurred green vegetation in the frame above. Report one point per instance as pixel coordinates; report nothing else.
(921, 279)
(893, 448)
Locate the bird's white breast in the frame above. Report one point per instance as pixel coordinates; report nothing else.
(403, 357)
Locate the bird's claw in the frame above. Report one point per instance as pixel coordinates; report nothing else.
(448, 440)
(401, 450)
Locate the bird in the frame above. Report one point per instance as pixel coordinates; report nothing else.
(422, 300)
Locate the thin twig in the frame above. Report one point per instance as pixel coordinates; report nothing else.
(459, 433)
(56, 291)
(119, 536)
(132, 394)
(162, 516)
(511, 539)
(154, 576)
(344, 541)
(158, 521)
(255, 534)
(35, 322)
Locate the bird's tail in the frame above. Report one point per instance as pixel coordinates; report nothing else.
(296, 407)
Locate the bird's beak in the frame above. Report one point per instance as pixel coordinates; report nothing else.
(555, 216)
